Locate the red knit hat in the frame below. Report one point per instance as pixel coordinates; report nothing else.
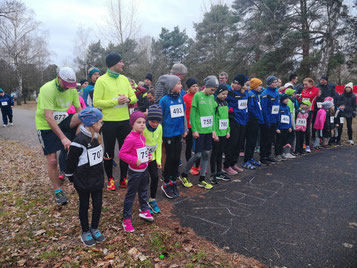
(134, 116)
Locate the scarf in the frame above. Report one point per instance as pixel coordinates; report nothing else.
(112, 74)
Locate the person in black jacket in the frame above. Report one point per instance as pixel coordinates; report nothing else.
(327, 89)
(85, 171)
(349, 100)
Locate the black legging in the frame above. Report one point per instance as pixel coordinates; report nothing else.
(266, 140)
(234, 143)
(173, 146)
(252, 130)
(216, 155)
(299, 147)
(154, 178)
(84, 206)
(349, 127)
(281, 141)
(112, 131)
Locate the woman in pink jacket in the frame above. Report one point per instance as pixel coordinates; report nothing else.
(135, 153)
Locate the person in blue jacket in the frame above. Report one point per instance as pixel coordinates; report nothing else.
(93, 74)
(6, 103)
(238, 116)
(255, 120)
(270, 108)
(283, 128)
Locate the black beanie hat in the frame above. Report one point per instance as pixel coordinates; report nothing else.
(83, 81)
(155, 112)
(190, 82)
(112, 59)
(241, 79)
(149, 77)
(221, 88)
(324, 77)
(283, 97)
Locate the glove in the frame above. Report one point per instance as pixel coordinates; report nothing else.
(230, 110)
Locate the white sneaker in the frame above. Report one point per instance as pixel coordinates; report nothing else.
(290, 156)
(351, 142)
(11, 124)
(283, 156)
(308, 149)
(4, 125)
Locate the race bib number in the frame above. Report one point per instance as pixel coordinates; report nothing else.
(143, 154)
(131, 110)
(60, 116)
(275, 109)
(95, 155)
(285, 119)
(223, 124)
(342, 120)
(332, 119)
(319, 105)
(4, 103)
(176, 110)
(151, 148)
(242, 104)
(206, 121)
(305, 99)
(119, 105)
(301, 122)
(260, 107)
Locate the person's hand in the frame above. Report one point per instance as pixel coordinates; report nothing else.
(12, 106)
(159, 166)
(195, 134)
(122, 99)
(184, 135)
(228, 135)
(290, 130)
(278, 131)
(150, 157)
(214, 136)
(138, 163)
(337, 125)
(66, 143)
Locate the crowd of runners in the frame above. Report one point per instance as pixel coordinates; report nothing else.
(217, 121)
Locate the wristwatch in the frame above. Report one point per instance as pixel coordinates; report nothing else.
(129, 100)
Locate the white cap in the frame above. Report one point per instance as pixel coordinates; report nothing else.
(288, 85)
(68, 77)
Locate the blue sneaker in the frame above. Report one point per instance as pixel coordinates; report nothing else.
(154, 207)
(114, 163)
(249, 165)
(255, 162)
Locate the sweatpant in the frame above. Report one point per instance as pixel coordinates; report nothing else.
(252, 130)
(84, 206)
(216, 155)
(173, 146)
(234, 143)
(204, 156)
(114, 131)
(154, 178)
(299, 148)
(266, 140)
(6, 113)
(281, 141)
(190, 146)
(137, 183)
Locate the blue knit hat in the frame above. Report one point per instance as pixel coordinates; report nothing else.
(271, 79)
(92, 71)
(1, 90)
(112, 59)
(89, 116)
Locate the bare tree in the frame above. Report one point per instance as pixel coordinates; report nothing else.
(80, 51)
(21, 41)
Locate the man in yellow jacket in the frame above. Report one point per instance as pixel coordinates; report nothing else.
(112, 94)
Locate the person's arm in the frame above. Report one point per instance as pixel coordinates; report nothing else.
(124, 152)
(311, 94)
(159, 148)
(75, 150)
(264, 104)
(98, 95)
(131, 94)
(56, 129)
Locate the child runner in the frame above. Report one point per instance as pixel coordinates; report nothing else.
(293, 104)
(85, 169)
(238, 116)
(255, 119)
(301, 125)
(153, 140)
(349, 100)
(323, 124)
(202, 122)
(270, 107)
(187, 98)
(318, 106)
(6, 104)
(174, 127)
(135, 153)
(283, 128)
(338, 121)
(222, 130)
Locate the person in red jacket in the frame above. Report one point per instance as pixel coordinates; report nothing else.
(310, 93)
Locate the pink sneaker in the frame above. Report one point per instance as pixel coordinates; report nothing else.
(237, 168)
(127, 226)
(230, 171)
(146, 215)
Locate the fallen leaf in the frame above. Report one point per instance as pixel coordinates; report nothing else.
(109, 256)
(40, 232)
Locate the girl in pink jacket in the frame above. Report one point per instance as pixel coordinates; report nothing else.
(323, 123)
(135, 153)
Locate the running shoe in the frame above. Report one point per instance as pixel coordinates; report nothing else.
(230, 171)
(124, 183)
(351, 142)
(146, 215)
(154, 207)
(223, 177)
(308, 149)
(206, 185)
(11, 124)
(111, 184)
(174, 189)
(87, 239)
(61, 199)
(97, 235)
(213, 179)
(255, 162)
(194, 171)
(271, 159)
(168, 190)
(185, 181)
(127, 226)
(249, 165)
(237, 168)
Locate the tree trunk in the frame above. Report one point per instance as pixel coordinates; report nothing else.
(305, 44)
(19, 88)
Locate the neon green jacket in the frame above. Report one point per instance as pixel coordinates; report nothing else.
(153, 141)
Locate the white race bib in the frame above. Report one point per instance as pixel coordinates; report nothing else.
(206, 121)
(319, 105)
(260, 107)
(301, 122)
(119, 105)
(4, 103)
(151, 148)
(60, 116)
(305, 99)
(176, 110)
(342, 120)
(223, 123)
(95, 155)
(332, 119)
(275, 109)
(242, 104)
(131, 110)
(285, 119)
(143, 154)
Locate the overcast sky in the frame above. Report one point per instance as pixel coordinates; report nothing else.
(61, 20)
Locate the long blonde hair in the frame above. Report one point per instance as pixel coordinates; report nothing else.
(93, 135)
